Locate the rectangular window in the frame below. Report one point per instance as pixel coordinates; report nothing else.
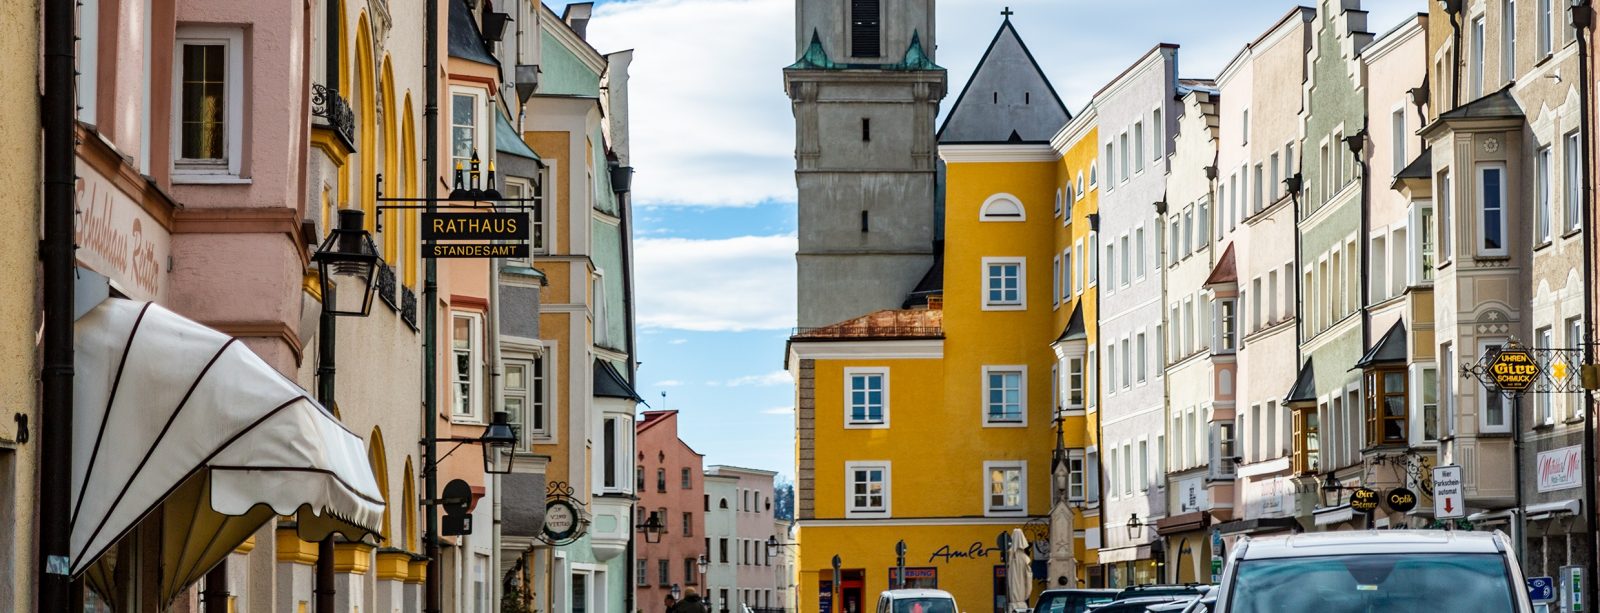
(1069, 281)
(1188, 231)
(1446, 232)
(1111, 266)
(1491, 210)
(1055, 281)
(1094, 257)
(1080, 280)
(1111, 166)
(1543, 164)
(642, 572)
(1176, 235)
(1004, 392)
(539, 216)
(666, 572)
(1508, 40)
(1127, 259)
(1144, 466)
(1491, 403)
(1387, 407)
(688, 518)
(1572, 155)
(1447, 389)
(1547, 27)
(690, 571)
(1005, 283)
(1111, 367)
(722, 551)
(1091, 379)
(1202, 222)
(208, 84)
(1226, 326)
(1138, 146)
(1244, 127)
(1543, 409)
(1127, 469)
(1138, 250)
(1007, 490)
(1325, 168)
(1075, 475)
(1574, 332)
(1269, 437)
(684, 482)
(1111, 475)
(1224, 449)
(1142, 358)
(1397, 124)
(1258, 190)
(1475, 65)
(520, 383)
(1422, 245)
(1075, 375)
(1127, 365)
(466, 116)
(865, 35)
(1430, 404)
(869, 489)
(1307, 446)
(1275, 182)
(466, 345)
(1123, 145)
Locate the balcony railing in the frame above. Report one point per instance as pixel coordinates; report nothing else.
(386, 286)
(329, 110)
(408, 306)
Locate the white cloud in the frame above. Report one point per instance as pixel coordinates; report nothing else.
(776, 377)
(779, 411)
(677, 341)
(669, 383)
(734, 284)
(710, 123)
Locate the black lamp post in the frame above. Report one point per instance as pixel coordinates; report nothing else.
(346, 263)
(1331, 491)
(701, 564)
(1135, 527)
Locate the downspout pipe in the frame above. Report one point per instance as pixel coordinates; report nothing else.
(624, 208)
(56, 250)
(326, 344)
(1583, 21)
(432, 602)
(1099, 422)
(1357, 143)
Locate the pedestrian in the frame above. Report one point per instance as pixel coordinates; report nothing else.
(691, 603)
(671, 602)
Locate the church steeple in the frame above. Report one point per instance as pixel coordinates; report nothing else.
(1008, 99)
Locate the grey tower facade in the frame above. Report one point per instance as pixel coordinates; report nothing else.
(865, 93)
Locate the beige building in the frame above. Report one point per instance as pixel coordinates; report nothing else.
(19, 311)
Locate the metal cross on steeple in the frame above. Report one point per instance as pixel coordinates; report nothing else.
(1007, 13)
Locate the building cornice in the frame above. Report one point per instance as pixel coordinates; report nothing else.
(1033, 152)
(827, 349)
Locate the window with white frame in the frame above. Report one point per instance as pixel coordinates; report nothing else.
(1446, 233)
(1138, 252)
(1492, 411)
(1223, 450)
(1006, 491)
(602, 311)
(523, 397)
(1127, 261)
(1475, 64)
(1079, 279)
(1077, 194)
(1075, 381)
(1075, 475)
(1127, 364)
(1543, 407)
(1427, 391)
(1005, 286)
(1141, 360)
(1055, 281)
(1144, 465)
(1111, 167)
(1093, 251)
(1127, 469)
(1397, 127)
(866, 398)
(1227, 326)
(208, 116)
(1257, 190)
(1069, 283)
(1111, 266)
(1572, 155)
(1156, 131)
(466, 345)
(1138, 147)
(869, 489)
(1508, 40)
(1094, 173)
(1091, 382)
(1123, 164)
(1005, 396)
(466, 126)
(1492, 210)
(1547, 27)
(1111, 475)
(1574, 333)
(1543, 164)
(1421, 245)
(616, 450)
(1202, 222)
(1111, 367)
(1447, 390)
(1002, 207)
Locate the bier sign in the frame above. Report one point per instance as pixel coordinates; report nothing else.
(506, 233)
(1514, 370)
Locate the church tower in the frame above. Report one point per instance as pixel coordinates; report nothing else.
(865, 92)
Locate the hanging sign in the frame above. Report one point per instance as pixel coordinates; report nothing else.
(474, 226)
(1560, 469)
(1514, 370)
(1448, 500)
(1401, 500)
(475, 250)
(1364, 500)
(564, 519)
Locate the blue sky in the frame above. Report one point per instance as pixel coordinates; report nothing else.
(713, 147)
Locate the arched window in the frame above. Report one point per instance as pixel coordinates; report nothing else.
(408, 510)
(724, 503)
(1002, 207)
(1080, 185)
(1057, 210)
(379, 461)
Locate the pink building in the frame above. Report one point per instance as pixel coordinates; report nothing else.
(759, 577)
(671, 486)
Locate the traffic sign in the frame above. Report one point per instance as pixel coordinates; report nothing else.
(1448, 500)
(1514, 370)
(1541, 589)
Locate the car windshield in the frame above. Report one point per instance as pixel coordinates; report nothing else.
(1070, 603)
(924, 605)
(1374, 583)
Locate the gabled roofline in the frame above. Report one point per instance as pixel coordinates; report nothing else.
(1143, 58)
(1004, 25)
(1248, 51)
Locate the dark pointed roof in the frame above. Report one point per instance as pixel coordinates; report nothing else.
(1498, 105)
(1390, 349)
(1420, 168)
(1224, 272)
(507, 140)
(608, 383)
(1305, 385)
(1008, 64)
(1075, 330)
(932, 281)
(466, 42)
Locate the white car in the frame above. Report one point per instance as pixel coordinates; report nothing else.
(917, 601)
(1374, 570)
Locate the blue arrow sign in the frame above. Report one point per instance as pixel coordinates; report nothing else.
(1541, 589)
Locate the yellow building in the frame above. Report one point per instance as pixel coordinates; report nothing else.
(938, 424)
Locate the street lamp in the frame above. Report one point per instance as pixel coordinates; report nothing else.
(677, 592)
(701, 565)
(348, 259)
(496, 438)
(1331, 488)
(652, 528)
(1135, 527)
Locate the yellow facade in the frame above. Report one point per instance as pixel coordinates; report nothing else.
(1077, 171)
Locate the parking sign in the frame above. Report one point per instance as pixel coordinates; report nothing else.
(1541, 589)
(1448, 501)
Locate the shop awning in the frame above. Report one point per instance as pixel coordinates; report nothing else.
(173, 418)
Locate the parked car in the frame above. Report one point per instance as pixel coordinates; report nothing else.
(1186, 604)
(1374, 570)
(1072, 600)
(917, 601)
(1142, 598)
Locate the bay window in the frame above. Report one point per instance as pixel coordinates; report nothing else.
(1492, 414)
(1307, 446)
(208, 113)
(1386, 411)
(1491, 210)
(1075, 378)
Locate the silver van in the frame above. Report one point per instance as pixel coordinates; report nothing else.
(917, 601)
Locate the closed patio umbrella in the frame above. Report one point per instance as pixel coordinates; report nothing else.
(1019, 571)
